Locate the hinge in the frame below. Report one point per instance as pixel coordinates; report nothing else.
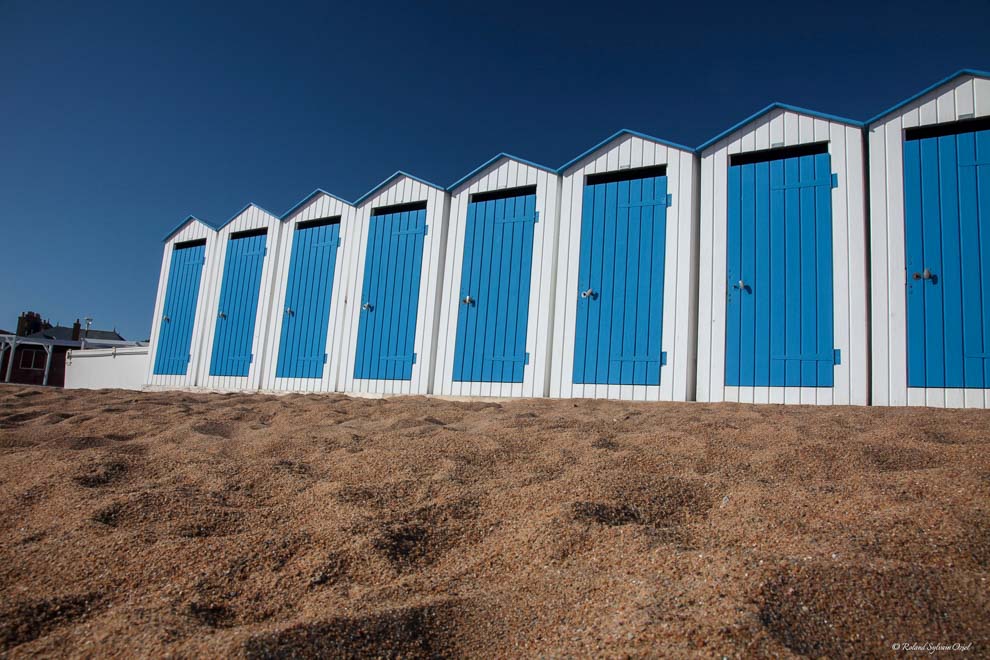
(251, 361)
(837, 357)
(536, 216)
(324, 358)
(663, 358)
(414, 358)
(426, 230)
(188, 359)
(265, 253)
(835, 180)
(338, 241)
(670, 200)
(526, 361)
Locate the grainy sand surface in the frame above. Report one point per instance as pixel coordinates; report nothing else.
(146, 524)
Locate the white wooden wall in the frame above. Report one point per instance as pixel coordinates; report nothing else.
(193, 230)
(504, 173)
(963, 97)
(125, 368)
(320, 206)
(677, 377)
(781, 127)
(402, 190)
(252, 217)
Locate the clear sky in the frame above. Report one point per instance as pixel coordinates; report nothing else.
(119, 119)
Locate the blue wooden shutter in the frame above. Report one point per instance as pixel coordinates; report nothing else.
(495, 278)
(236, 314)
(619, 322)
(302, 347)
(179, 310)
(390, 296)
(779, 297)
(947, 250)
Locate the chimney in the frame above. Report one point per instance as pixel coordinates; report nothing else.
(75, 331)
(29, 323)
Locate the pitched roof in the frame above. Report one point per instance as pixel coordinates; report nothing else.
(239, 213)
(484, 166)
(63, 333)
(914, 97)
(182, 224)
(613, 138)
(360, 200)
(771, 108)
(305, 200)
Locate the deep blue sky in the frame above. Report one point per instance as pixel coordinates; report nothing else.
(118, 119)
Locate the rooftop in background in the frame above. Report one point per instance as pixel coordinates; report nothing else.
(62, 333)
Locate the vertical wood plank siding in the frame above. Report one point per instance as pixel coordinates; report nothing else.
(503, 174)
(425, 305)
(892, 205)
(251, 218)
(319, 206)
(785, 128)
(676, 322)
(193, 230)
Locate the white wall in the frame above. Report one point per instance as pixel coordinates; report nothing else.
(320, 206)
(402, 190)
(680, 284)
(102, 368)
(252, 217)
(963, 97)
(781, 127)
(502, 174)
(192, 230)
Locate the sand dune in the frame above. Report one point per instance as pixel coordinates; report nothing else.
(294, 526)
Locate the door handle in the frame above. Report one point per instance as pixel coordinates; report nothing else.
(166, 318)
(741, 285)
(367, 306)
(467, 300)
(288, 310)
(923, 275)
(222, 315)
(590, 293)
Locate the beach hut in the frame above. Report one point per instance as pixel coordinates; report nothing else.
(930, 246)
(783, 283)
(177, 327)
(309, 296)
(496, 310)
(624, 323)
(239, 302)
(391, 329)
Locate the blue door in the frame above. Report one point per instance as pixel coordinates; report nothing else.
(179, 310)
(779, 305)
(234, 333)
(947, 243)
(494, 295)
(390, 294)
(302, 347)
(620, 280)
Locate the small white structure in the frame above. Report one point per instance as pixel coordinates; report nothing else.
(930, 246)
(397, 262)
(119, 367)
(496, 318)
(783, 282)
(180, 319)
(239, 300)
(305, 338)
(626, 295)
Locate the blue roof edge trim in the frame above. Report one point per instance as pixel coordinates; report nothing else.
(399, 173)
(246, 207)
(190, 218)
(976, 73)
(617, 135)
(305, 200)
(481, 168)
(778, 106)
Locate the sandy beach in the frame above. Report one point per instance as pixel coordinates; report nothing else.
(148, 524)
